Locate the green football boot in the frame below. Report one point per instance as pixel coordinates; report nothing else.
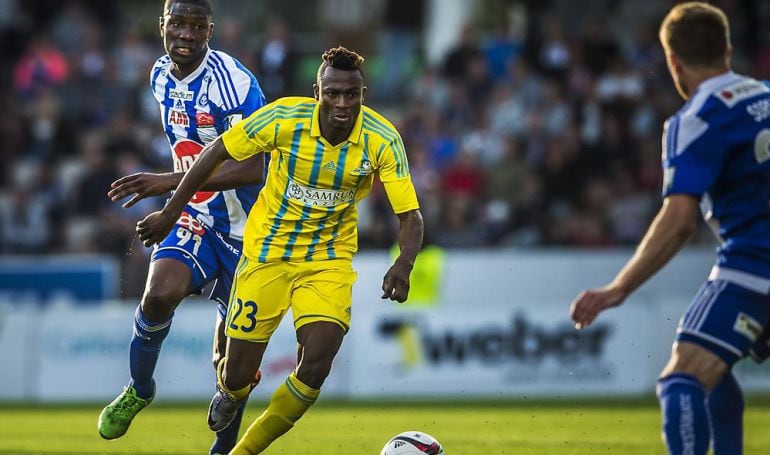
(116, 417)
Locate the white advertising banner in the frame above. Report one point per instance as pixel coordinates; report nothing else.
(84, 355)
(498, 328)
(18, 349)
(505, 350)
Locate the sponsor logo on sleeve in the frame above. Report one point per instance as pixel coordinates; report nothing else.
(231, 120)
(741, 90)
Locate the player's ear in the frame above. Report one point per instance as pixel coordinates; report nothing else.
(211, 32)
(363, 94)
(316, 92)
(160, 25)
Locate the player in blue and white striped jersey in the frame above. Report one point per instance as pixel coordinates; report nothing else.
(201, 92)
(716, 155)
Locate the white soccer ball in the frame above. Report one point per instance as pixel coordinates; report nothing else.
(412, 443)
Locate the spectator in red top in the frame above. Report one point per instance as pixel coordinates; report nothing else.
(41, 66)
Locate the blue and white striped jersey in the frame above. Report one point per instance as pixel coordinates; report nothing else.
(197, 109)
(717, 148)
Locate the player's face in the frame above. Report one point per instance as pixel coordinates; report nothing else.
(340, 94)
(186, 30)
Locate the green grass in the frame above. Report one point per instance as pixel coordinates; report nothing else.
(518, 427)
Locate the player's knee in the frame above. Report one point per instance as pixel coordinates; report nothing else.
(313, 371)
(236, 376)
(697, 362)
(159, 305)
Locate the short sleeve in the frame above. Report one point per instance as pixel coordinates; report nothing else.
(252, 135)
(393, 170)
(693, 156)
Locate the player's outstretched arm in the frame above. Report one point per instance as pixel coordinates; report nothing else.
(231, 174)
(673, 225)
(157, 225)
(395, 284)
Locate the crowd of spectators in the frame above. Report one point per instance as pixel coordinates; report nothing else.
(528, 134)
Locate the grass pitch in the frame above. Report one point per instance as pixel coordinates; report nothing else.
(519, 427)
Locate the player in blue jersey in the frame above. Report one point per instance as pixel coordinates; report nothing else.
(201, 92)
(715, 154)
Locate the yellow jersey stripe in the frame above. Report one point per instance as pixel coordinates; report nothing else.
(393, 138)
(262, 114)
(284, 203)
(253, 127)
(337, 184)
(319, 154)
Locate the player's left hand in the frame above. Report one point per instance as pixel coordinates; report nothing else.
(591, 302)
(395, 285)
(155, 227)
(141, 185)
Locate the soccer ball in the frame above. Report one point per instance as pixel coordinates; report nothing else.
(412, 443)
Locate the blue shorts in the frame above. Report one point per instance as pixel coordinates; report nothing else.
(728, 315)
(209, 254)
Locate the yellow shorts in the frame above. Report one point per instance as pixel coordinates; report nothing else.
(263, 292)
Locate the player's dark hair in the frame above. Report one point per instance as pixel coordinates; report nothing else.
(342, 59)
(205, 4)
(697, 33)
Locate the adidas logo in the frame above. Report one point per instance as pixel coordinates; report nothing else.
(330, 167)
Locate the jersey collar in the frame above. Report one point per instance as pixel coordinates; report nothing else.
(715, 82)
(355, 133)
(197, 72)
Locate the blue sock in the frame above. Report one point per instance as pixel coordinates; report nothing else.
(144, 352)
(726, 410)
(227, 438)
(685, 417)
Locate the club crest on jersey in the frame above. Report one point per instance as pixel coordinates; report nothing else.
(365, 168)
(178, 118)
(203, 100)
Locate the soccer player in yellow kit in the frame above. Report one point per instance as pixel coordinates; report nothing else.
(301, 235)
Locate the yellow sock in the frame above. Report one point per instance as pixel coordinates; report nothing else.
(234, 394)
(288, 403)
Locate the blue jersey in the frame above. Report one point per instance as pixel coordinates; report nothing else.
(197, 109)
(716, 148)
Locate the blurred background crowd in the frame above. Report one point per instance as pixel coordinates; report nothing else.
(537, 125)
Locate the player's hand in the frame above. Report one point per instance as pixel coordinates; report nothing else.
(395, 285)
(141, 185)
(155, 227)
(591, 302)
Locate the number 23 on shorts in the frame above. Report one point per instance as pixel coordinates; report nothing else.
(244, 315)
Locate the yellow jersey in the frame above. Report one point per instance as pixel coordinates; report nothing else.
(307, 209)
